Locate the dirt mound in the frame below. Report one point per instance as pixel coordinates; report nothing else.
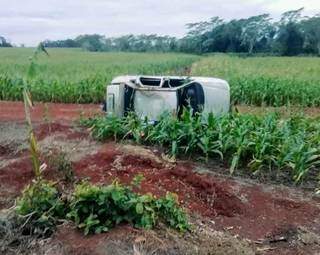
(134, 160)
(221, 201)
(243, 209)
(200, 193)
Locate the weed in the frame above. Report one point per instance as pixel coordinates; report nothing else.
(60, 163)
(136, 181)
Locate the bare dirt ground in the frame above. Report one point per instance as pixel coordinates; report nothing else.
(14, 111)
(229, 215)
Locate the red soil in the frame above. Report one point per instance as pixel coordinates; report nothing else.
(14, 111)
(17, 174)
(256, 217)
(247, 210)
(48, 129)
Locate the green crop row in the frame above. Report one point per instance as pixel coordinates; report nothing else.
(75, 76)
(266, 81)
(265, 144)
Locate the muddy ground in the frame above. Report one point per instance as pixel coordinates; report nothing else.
(229, 215)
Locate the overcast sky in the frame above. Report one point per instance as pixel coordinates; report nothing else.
(32, 21)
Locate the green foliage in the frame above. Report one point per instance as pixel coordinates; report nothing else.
(41, 203)
(136, 181)
(247, 141)
(73, 76)
(173, 215)
(96, 209)
(266, 81)
(76, 76)
(293, 34)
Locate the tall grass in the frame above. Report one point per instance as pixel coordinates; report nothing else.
(76, 76)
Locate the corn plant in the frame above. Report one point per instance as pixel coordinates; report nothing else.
(242, 141)
(34, 151)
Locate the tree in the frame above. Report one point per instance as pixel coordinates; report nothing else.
(4, 42)
(289, 38)
(311, 29)
(68, 43)
(197, 38)
(93, 42)
(255, 29)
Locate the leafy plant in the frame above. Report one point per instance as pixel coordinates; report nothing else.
(41, 204)
(173, 215)
(96, 209)
(137, 179)
(265, 81)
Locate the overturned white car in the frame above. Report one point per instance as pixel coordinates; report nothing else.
(149, 96)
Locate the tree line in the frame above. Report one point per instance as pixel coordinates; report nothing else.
(292, 34)
(134, 43)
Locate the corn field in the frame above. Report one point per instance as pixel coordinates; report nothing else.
(266, 81)
(76, 76)
(257, 144)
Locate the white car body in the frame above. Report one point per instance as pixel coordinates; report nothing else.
(150, 96)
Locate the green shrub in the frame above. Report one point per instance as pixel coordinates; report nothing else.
(41, 204)
(169, 211)
(96, 209)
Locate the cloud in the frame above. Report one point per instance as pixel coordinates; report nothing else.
(34, 20)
